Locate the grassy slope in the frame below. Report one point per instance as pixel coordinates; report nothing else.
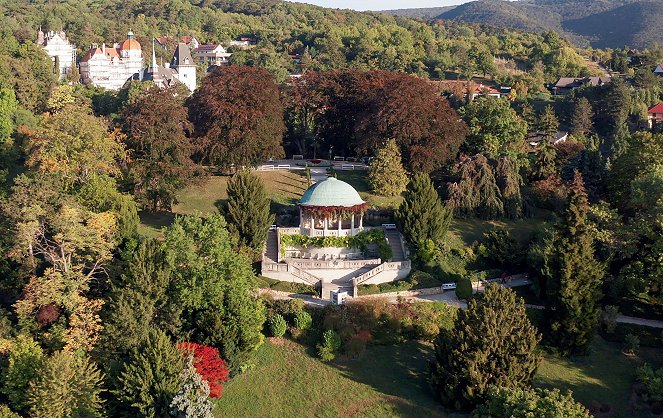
(288, 382)
(389, 381)
(604, 377)
(284, 188)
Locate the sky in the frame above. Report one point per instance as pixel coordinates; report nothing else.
(382, 4)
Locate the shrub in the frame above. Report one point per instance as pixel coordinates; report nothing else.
(277, 325)
(631, 343)
(464, 289)
(331, 343)
(209, 365)
(303, 320)
(516, 402)
(652, 380)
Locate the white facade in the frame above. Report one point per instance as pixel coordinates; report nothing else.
(111, 67)
(58, 47)
(211, 54)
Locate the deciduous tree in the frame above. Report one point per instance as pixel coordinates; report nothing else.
(495, 129)
(525, 403)
(209, 365)
(160, 164)
(238, 117)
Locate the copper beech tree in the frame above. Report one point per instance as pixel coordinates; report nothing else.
(238, 117)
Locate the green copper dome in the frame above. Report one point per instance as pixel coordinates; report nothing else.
(331, 192)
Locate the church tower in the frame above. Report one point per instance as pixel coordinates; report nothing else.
(184, 65)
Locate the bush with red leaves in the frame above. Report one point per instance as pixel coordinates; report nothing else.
(47, 314)
(209, 365)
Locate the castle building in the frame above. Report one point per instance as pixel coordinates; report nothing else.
(181, 69)
(61, 51)
(111, 67)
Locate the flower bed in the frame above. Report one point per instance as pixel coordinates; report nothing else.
(360, 241)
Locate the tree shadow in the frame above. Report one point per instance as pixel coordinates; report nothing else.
(400, 372)
(158, 219)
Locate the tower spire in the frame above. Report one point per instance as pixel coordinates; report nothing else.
(154, 58)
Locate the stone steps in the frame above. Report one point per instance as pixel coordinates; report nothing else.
(394, 239)
(272, 246)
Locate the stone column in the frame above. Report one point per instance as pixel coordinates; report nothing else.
(340, 221)
(361, 221)
(352, 225)
(326, 225)
(311, 231)
(301, 219)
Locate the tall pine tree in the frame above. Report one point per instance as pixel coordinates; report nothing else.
(247, 211)
(581, 121)
(573, 286)
(387, 175)
(491, 343)
(422, 216)
(548, 123)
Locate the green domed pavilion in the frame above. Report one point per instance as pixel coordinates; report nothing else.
(331, 208)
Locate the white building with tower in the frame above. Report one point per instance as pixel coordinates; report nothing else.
(180, 69)
(61, 51)
(111, 66)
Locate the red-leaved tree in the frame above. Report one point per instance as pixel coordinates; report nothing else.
(209, 365)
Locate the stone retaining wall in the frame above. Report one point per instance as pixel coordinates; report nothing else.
(405, 293)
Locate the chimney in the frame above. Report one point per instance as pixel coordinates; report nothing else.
(103, 48)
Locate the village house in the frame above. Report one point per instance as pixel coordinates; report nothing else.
(110, 67)
(211, 54)
(534, 139)
(566, 84)
(460, 88)
(61, 51)
(655, 115)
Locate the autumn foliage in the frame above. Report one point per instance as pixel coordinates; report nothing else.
(209, 365)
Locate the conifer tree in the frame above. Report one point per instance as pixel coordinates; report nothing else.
(490, 204)
(422, 216)
(192, 400)
(143, 299)
(545, 164)
(509, 182)
(491, 344)
(387, 176)
(581, 121)
(151, 377)
(548, 123)
(67, 386)
(573, 287)
(247, 211)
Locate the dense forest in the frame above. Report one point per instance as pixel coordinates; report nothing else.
(601, 24)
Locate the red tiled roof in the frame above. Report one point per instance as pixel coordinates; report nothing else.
(206, 47)
(89, 54)
(656, 108)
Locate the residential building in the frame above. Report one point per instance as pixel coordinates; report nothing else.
(460, 88)
(61, 51)
(181, 69)
(111, 67)
(655, 115)
(536, 138)
(211, 54)
(566, 84)
(659, 69)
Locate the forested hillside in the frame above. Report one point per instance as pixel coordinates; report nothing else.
(601, 23)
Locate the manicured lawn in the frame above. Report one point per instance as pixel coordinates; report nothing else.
(386, 381)
(359, 180)
(604, 377)
(283, 187)
(463, 232)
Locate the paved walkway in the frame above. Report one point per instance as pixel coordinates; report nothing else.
(451, 298)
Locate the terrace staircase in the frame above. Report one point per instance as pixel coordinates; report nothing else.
(272, 246)
(396, 243)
